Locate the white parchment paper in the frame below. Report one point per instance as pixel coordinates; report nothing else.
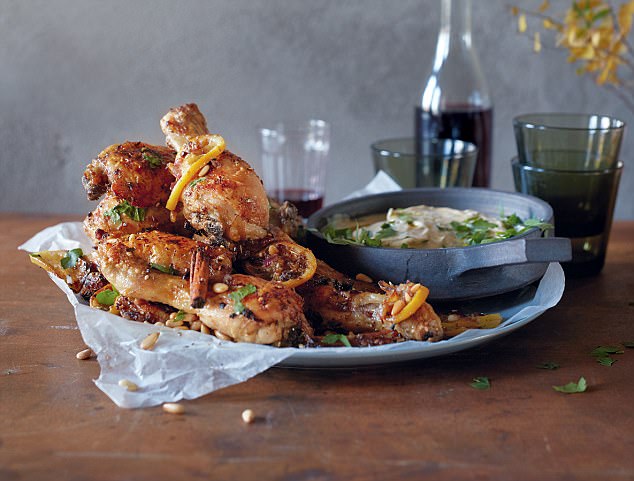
(188, 364)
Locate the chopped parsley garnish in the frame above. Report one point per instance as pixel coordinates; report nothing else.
(195, 181)
(180, 315)
(152, 158)
(107, 296)
(166, 270)
(335, 338)
(239, 294)
(572, 387)
(551, 366)
(135, 213)
(481, 383)
(602, 354)
(473, 231)
(71, 257)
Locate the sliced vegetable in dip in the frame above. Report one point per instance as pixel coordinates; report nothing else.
(426, 227)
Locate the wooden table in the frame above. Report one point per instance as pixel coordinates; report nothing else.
(407, 421)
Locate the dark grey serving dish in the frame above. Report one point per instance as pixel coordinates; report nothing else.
(450, 273)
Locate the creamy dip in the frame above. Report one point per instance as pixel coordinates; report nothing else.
(420, 226)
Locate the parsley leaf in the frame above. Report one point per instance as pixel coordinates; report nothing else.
(606, 361)
(481, 383)
(71, 257)
(180, 315)
(551, 366)
(135, 213)
(573, 387)
(335, 338)
(166, 270)
(603, 351)
(107, 296)
(240, 294)
(195, 181)
(152, 158)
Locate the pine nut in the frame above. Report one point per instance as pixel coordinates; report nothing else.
(248, 416)
(203, 172)
(222, 336)
(196, 325)
(273, 250)
(174, 408)
(407, 297)
(363, 277)
(85, 354)
(453, 317)
(129, 385)
(398, 307)
(149, 341)
(174, 323)
(220, 287)
(204, 329)
(159, 323)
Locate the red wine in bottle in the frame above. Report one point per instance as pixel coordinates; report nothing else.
(306, 201)
(471, 124)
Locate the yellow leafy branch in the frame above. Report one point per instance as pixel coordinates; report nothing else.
(592, 31)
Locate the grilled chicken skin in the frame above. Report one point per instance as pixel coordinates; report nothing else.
(251, 310)
(183, 122)
(114, 215)
(133, 171)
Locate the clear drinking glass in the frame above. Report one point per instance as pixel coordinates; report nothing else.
(294, 162)
(442, 163)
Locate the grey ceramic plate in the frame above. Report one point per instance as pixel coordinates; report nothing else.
(450, 273)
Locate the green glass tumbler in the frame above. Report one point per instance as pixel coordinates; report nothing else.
(583, 204)
(443, 162)
(568, 141)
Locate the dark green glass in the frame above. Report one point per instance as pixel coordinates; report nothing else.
(568, 141)
(583, 203)
(443, 162)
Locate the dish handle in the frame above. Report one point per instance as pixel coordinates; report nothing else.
(519, 251)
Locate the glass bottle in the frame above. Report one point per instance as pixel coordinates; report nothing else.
(455, 101)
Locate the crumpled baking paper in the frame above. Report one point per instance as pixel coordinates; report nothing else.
(188, 364)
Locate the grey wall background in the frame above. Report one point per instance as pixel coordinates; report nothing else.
(76, 76)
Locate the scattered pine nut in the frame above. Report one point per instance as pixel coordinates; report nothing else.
(203, 171)
(363, 277)
(397, 307)
(222, 336)
(204, 329)
(248, 416)
(174, 408)
(174, 323)
(129, 385)
(273, 250)
(149, 341)
(196, 326)
(220, 287)
(84, 355)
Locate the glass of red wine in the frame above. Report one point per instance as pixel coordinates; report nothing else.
(294, 162)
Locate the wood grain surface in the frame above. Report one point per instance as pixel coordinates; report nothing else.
(407, 421)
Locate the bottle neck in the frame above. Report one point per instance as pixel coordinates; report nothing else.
(455, 29)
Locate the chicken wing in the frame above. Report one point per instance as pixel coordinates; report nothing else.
(250, 310)
(338, 302)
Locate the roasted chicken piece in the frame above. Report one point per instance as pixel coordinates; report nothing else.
(132, 171)
(339, 302)
(140, 310)
(227, 198)
(183, 122)
(250, 310)
(278, 257)
(117, 216)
